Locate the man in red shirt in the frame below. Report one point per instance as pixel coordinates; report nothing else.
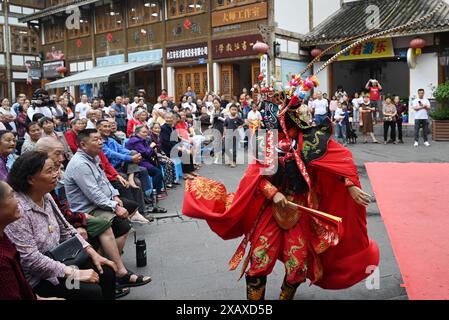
(375, 88)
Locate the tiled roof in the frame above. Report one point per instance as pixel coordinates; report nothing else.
(351, 19)
(62, 7)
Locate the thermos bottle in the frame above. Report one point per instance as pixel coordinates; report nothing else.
(141, 252)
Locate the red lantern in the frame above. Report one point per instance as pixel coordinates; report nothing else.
(187, 24)
(316, 52)
(418, 44)
(61, 70)
(261, 47)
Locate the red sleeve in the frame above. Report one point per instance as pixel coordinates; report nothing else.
(130, 128)
(267, 189)
(338, 161)
(110, 171)
(8, 282)
(71, 141)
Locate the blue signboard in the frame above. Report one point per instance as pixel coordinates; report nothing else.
(111, 60)
(154, 56)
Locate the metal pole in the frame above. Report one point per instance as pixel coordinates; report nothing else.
(8, 49)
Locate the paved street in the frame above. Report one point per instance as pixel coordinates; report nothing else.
(187, 261)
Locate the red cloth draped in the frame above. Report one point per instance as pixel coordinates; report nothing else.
(345, 265)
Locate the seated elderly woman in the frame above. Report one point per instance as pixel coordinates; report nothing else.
(34, 134)
(168, 164)
(13, 284)
(139, 143)
(33, 176)
(7, 149)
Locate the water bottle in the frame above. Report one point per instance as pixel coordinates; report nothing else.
(154, 198)
(141, 252)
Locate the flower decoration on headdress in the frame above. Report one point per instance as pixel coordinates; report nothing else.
(299, 88)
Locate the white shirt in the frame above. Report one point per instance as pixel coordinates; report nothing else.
(356, 103)
(11, 112)
(320, 107)
(82, 108)
(253, 116)
(191, 106)
(91, 125)
(339, 114)
(46, 111)
(422, 114)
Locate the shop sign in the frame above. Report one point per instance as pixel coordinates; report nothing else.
(50, 69)
(373, 49)
(235, 47)
(264, 68)
(111, 60)
(188, 53)
(154, 56)
(34, 69)
(252, 12)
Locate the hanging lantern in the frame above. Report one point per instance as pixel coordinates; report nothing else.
(109, 37)
(261, 47)
(418, 44)
(316, 52)
(61, 70)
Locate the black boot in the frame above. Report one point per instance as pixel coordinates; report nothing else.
(287, 291)
(255, 288)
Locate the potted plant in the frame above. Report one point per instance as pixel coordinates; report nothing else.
(440, 116)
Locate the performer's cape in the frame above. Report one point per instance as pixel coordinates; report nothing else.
(233, 215)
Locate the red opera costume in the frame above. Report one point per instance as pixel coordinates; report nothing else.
(322, 237)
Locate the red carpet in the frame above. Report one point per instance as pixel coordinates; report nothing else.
(414, 202)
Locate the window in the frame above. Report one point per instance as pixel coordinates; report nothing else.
(219, 4)
(143, 11)
(84, 29)
(178, 8)
(24, 41)
(1, 38)
(53, 32)
(109, 17)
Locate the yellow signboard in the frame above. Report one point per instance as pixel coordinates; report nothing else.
(372, 49)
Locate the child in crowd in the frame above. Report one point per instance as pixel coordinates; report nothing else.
(340, 118)
(233, 123)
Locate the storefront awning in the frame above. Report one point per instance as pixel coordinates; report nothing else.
(97, 75)
(351, 20)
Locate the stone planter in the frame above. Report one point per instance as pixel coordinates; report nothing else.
(440, 130)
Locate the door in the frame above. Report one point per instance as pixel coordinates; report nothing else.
(255, 72)
(195, 77)
(227, 81)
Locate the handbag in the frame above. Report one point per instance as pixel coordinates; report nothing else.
(71, 251)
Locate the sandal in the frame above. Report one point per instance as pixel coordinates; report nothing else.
(159, 210)
(125, 281)
(122, 292)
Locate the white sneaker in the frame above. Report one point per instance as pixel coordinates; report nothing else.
(416, 145)
(427, 144)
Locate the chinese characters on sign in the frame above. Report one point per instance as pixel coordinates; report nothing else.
(378, 48)
(188, 53)
(235, 47)
(264, 67)
(238, 15)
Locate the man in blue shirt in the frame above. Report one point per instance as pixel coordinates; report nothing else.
(120, 114)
